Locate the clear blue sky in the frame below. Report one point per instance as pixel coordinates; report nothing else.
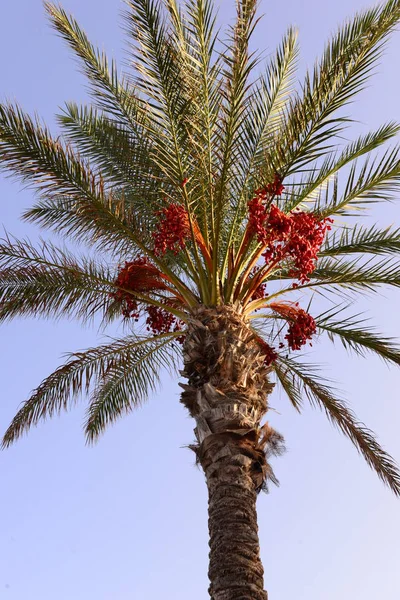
(127, 519)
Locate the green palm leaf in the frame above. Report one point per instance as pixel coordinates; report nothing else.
(355, 274)
(109, 227)
(355, 336)
(300, 379)
(346, 64)
(340, 275)
(374, 181)
(202, 75)
(263, 117)
(120, 156)
(161, 81)
(27, 148)
(65, 181)
(63, 387)
(265, 110)
(126, 384)
(360, 240)
(108, 91)
(47, 281)
(319, 180)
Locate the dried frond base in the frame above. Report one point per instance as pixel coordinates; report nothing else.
(227, 389)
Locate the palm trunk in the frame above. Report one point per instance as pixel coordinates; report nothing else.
(227, 394)
(235, 570)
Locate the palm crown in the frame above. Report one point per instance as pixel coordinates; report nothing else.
(202, 178)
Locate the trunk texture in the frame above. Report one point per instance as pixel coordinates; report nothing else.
(235, 570)
(227, 394)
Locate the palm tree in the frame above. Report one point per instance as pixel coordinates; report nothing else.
(212, 195)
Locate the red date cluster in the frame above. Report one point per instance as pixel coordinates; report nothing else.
(302, 326)
(275, 188)
(297, 236)
(173, 229)
(160, 321)
(260, 292)
(300, 330)
(139, 276)
(306, 238)
(269, 353)
(258, 215)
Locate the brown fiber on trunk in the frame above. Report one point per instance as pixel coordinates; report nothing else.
(226, 394)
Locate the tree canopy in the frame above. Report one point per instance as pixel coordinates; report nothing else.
(204, 176)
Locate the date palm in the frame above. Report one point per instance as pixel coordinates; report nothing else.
(211, 195)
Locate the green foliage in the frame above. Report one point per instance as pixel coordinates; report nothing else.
(263, 122)
(110, 92)
(346, 278)
(50, 282)
(127, 383)
(300, 380)
(312, 123)
(363, 240)
(355, 335)
(320, 178)
(124, 372)
(377, 179)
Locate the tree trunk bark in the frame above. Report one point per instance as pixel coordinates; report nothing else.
(226, 394)
(235, 570)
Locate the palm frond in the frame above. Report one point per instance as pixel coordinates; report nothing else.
(356, 274)
(265, 109)
(161, 81)
(347, 62)
(66, 182)
(203, 75)
(105, 230)
(110, 145)
(126, 385)
(123, 159)
(238, 65)
(263, 115)
(341, 276)
(356, 336)
(289, 385)
(28, 150)
(375, 180)
(62, 388)
(110, 92)
(319, 180)
(302, 379)
(109, 228)
(361, 240)
(278, 83)
(47, 281)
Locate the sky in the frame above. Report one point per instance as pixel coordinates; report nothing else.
(127, 519)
